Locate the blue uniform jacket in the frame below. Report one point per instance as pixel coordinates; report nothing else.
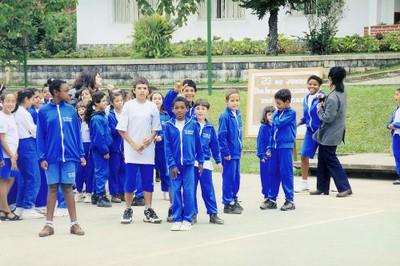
(100, 133)
(185, 148)
(117, 144)
(396, 125)
(58, 134)
(169, 99)
(283, 129)
(209, 142)
(230, 134)
(33, 113)
(1, 152)
(310, 117)
(164, 117)
(263, 138)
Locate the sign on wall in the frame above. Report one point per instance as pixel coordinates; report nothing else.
(262, 86)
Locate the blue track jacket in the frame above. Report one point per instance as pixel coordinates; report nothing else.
(209, 142)
(33, 113)
(100, 133)
(263, 138)
(230, 134)
(185, 148)
(164, 117)
(396, 125)
(59, 136)
(117, 140)
(169, 99)
(283, 129)
(310, 117)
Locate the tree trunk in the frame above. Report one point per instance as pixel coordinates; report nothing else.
(273, 32)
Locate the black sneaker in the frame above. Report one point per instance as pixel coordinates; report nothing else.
(127, 216)
(288, 206)
(169, 217)
(104, 201)
(214, 219)
(268, 205)
(238, 205)
(158, 178)
(138, 202)
(231, 209)
(150, 216)
(94, 199)
(194, 219)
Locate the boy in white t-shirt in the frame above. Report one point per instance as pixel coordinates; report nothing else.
(138, 125)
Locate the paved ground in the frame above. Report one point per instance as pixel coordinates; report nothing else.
(382, 81)
(324, 230)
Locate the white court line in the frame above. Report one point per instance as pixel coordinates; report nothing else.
(213, 243)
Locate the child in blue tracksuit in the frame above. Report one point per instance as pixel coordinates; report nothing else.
(264, 135)
(182, 148)
(280, 149)
(311, 120)
(394, 126)
(209, 143)
(101, 140)
(117, 160)
(230, 141)
(60, 148)
(188, 90)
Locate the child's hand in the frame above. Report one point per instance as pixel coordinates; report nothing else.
(220, 167)
(201, 169)
(44, 165)
(391, 126)
(263, 160)
(1, 163)
(321, 104)
(174, 172)
(83, 161)
(268, 154)
(158, 138)
(14, 163)
(138, 148)
(146, 142)
(107, 156)
(178, 87)
(228, 158)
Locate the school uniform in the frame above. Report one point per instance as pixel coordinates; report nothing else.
(311, 120)
(182, 148)
(59, 142)
(160, 162)
(168, 101)
(209, 143)
(263, 138)
(29, 178)
(230, 142)
(84, 175)
(281, 148)
(101, 140)
(117, 161)
(396, 137)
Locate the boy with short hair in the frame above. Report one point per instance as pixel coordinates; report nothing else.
(188, 90)
(394, 126)
(230, 141)
(280, 149)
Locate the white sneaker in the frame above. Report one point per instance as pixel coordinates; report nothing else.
(79, 197)
(166, 196)
(30, 214)
(176, 226)
(18, 211)
(186, 226)
(88, 198)
(302, 187)
(61, 212)
(41, 210)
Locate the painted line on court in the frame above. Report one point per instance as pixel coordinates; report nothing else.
(213, 243)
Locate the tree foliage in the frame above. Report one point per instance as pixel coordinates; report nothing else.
(22, 22)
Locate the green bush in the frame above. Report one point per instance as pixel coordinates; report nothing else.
(367, 44)
(289, 46)
(152, 37)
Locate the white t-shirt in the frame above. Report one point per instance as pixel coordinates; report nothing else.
(9, 127)
(139, 120)
(180, 125)
(397, 120)
(26, 126)
(85, 132)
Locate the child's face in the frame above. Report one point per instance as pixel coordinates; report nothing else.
(201, 112)
(188, 93)
(118, 102)
(179, 110)
(98, 81)
(233, 103)
(157, 100)
(397, 97)
(281, 105)
(102, 104)
(81, 112)
(313, 86)
(141, 91)
(46, 94)
(9, 103)
(86, 96)
(63, 93)
(269, 117)
(37, 100)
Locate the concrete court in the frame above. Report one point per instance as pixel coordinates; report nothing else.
(363, 229)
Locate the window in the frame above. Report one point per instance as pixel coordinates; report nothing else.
(222, 9)
(127, 11)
